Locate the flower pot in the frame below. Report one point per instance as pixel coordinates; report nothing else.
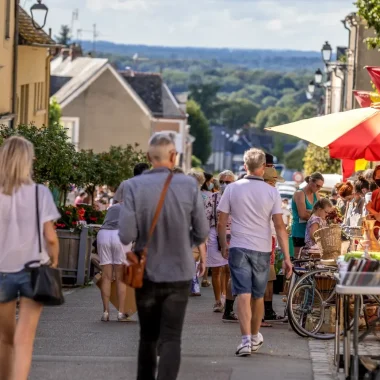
(75, 255)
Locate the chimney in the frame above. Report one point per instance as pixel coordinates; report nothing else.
(75, 51)
(65, 53)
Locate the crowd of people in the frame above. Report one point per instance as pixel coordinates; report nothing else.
(226, 226)
(221, 225)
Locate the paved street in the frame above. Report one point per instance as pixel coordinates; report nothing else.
(73, 344)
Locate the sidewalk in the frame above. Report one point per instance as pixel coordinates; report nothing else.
(72, 344)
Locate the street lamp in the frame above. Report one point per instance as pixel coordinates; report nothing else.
(311, 87)
(326, 52)
(318, 76)
(41, 11)
(309, 96)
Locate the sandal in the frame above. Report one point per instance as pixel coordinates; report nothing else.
(206, 284)
(265, 324)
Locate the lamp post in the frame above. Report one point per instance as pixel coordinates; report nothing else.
(39, 11)
(330, 67)
(318, 76)
(326, 52)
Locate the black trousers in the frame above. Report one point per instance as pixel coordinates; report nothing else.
(161, 308)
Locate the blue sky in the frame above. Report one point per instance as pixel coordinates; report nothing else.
(256, 24)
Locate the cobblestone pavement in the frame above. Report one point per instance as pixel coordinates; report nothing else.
(72, 344)
(322, 356)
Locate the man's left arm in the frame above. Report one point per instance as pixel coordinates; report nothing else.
(128, 231)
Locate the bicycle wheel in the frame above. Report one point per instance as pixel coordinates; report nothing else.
(306, 310)
(312, 304)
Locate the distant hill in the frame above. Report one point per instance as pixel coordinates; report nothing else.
(276, 60)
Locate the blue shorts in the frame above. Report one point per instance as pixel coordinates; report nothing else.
(13, 285)
(249, 271)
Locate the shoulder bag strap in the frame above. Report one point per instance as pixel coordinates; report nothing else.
(215, 216)
(159, 206)
(38, 221)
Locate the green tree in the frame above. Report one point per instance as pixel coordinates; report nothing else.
(238, 113)
(119, 162)
(279, 116)
(370, 11)
(64, 35)
(56, 159)
(294, 159)
(55, 112)
(269, 101)
(206, 95)
(318, 159)
(200, 129)
(306, 111)
(195, 162)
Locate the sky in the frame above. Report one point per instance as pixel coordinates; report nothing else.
(252, 24)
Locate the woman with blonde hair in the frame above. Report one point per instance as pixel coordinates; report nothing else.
(19, 199)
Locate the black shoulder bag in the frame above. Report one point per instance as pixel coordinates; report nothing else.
(46, 281)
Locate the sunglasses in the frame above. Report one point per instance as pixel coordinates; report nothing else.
(225, 182)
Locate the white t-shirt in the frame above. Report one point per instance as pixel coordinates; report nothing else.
(18, 226)
(251, 204)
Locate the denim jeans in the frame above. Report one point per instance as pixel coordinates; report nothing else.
(13, 285)
(161, 308)
(249, 271)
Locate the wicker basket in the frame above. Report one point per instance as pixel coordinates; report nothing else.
(330, 241)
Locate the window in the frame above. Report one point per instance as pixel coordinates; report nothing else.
(7, 19)
(39, 97)
(24, 104)
(71, 124)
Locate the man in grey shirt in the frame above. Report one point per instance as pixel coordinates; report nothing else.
(162, 301)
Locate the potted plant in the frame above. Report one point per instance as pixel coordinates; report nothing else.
(75, 241)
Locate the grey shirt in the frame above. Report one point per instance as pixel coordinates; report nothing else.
(181, 225)
(111, 221)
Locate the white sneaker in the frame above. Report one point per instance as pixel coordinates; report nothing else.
(121, 317)
(243, 350)
(257, 343)
(105, 317)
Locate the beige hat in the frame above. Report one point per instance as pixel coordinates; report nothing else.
(271, 174)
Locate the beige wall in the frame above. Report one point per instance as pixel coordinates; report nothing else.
(357, 76)
(365, 58)
(36, 76)
(6, 60)
(174, 125)
(108, 116)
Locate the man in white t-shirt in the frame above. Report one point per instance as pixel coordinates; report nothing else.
(252, 204)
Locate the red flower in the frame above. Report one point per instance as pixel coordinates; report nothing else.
(75, 223)
(81, 211)
(68, 212)
(60, 225)
(93, 218)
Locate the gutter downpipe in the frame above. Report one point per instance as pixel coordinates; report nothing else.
(355, 62)
(344, 97)
(15, 64)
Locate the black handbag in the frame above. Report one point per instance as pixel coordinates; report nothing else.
(46, 281)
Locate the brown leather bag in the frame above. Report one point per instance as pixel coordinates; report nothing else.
(134, 273)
